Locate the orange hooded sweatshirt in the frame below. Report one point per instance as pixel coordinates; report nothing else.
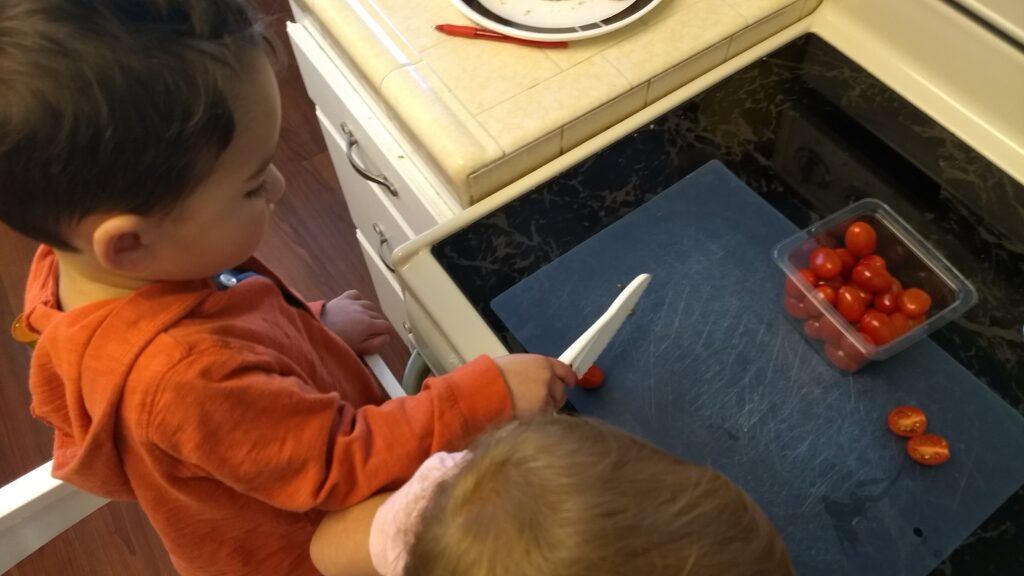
(233, 417)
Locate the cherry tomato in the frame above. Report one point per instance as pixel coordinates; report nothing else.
(826, 293)
(812, 328)
(878, 326)
(928, 449)
(795, 308)
(873, 260)
(874, 279)
(834, 283)
(860, 239)
(592, 378)
(866, 297)
(839, 359)
(829, 331)
(915, 321)
(809, 276)
(825, 263)
(849, 260)
(850, 304)
(886, 303)
(907, 421)
(914, 302)
(900, 324)
(852, 352)
(793, 290)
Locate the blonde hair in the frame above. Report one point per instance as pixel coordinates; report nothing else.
(570, 495)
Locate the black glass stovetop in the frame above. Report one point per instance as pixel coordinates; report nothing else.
(811, 132)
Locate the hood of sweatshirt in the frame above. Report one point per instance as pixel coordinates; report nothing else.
(81, 363)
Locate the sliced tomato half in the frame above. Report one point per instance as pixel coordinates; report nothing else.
(907, 421)
(928, 449)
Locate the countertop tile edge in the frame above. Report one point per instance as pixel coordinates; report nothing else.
(458, 142)
(382, 49)
(440, 123)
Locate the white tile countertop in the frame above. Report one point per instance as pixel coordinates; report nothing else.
(486, 113)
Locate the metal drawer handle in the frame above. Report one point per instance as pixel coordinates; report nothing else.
(385, 257)
(350, 154)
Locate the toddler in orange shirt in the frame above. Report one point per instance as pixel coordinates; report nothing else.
(136, 144)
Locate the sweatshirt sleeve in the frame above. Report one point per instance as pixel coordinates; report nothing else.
(317, 307)
(276, 439)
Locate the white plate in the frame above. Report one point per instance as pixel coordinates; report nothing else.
(554, 20)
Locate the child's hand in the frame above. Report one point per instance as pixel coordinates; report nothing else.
(357, 322)
(536, 383)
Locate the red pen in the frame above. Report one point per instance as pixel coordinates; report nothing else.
(485, 34)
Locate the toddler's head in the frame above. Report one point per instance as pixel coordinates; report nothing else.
(139, 132)
(569, 495)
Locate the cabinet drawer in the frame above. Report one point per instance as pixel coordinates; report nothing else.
(380, 153)
(389, 294)
(371, 212)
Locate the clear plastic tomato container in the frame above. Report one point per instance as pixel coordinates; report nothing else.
(909, 259)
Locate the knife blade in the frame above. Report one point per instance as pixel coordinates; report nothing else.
(582, 353)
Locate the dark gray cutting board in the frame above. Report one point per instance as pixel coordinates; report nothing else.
(708, 369)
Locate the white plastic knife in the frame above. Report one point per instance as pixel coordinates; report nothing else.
(585, 350)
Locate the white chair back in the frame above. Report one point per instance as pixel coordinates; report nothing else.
(37, 507)
(34, 509)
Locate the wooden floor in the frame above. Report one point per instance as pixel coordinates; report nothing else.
(311, 245)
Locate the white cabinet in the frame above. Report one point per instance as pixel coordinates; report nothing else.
(391, 196)
(380, 228)
(388, 291)
(381, 223)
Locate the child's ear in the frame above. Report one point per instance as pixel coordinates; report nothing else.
(119, 243)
